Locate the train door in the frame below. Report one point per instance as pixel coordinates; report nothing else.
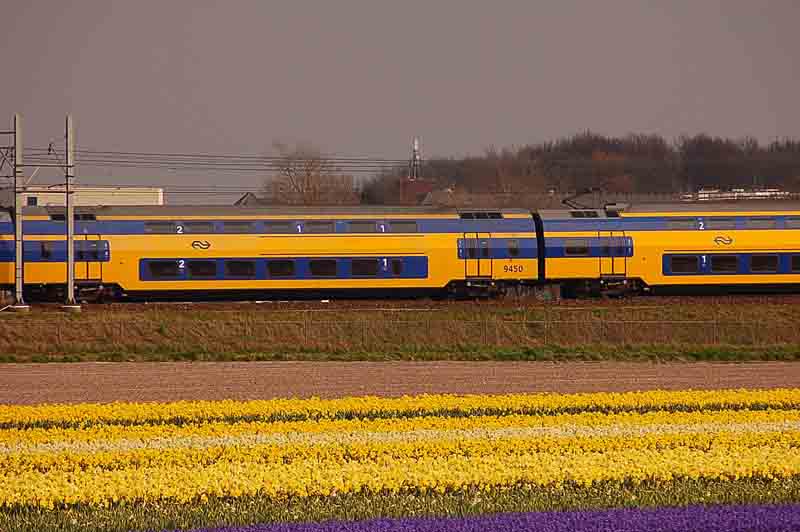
(477, 256)
(613, 253)
(89, 252)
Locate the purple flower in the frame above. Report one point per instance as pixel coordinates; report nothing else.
(740, 518)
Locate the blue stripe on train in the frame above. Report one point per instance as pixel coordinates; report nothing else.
(135, 227)
(56, 251)
(613, 246)
(498, 248)
(787, 263)
(412, 268)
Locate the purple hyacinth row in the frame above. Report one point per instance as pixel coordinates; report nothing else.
(751, 518)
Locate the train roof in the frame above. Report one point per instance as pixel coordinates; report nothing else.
(224, 210)
(744, 206)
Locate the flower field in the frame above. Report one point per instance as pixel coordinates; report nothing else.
(353, 463)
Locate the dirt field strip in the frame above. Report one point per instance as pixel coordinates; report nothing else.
(105, 382)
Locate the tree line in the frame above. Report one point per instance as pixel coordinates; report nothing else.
(635, 163)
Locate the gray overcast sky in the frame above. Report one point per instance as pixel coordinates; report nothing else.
(363, 77)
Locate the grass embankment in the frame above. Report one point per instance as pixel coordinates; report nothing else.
(661, 330)
(248, 510)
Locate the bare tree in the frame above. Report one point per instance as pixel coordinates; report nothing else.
(305, 177)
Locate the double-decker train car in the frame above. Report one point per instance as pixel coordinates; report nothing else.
(689, 248)
(734, 247)
(231, 252)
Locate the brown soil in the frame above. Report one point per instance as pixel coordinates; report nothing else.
(104, 382)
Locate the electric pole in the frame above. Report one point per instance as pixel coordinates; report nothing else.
(69, 176)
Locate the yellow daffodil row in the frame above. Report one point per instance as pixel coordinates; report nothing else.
(374, 447)
(187, 482)
(56, 437)
(134, 453)
(192, 411)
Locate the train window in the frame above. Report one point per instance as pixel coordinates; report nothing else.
(198, 227)
(164, 269)
(793, 222)
(495, 215)
(403, 226)
(323, 267)
(240, 268)
(365, 267)
(472, 248)
(720, 223)
(583, 214)
(159, 227)
(467, 215)
(239, 227)
(795, 263)
(47, 249)
(576, 247)
(319, 227)
(397, 267)
(88, 250)
(763, 263)
(484, 249)
(360, 226)
(513, 247)
(724, 263)
(683, 264)
(280, 268)
(761, 223)
(681, 224)
(202, 268)
(278, 227)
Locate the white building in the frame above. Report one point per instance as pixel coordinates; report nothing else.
(85, 196)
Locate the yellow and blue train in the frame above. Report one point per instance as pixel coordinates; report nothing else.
(189, 252)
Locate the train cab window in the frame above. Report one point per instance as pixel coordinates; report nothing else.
(513, 247)
(681, 224)
(239, 227)
(720, 223)
(576, 247)
(397, 267)
(202, 268)
(159, 227)
(279, 227)
(280, 268)
(793, 222)
(322, 267)
(761, 223)
(403, 226)
(242, 269)
(198, 227)
(164, 269)
(365, 267)
(47, 250)
(795, 263)
(763, 263)
(319, 227)
(360, 226)
(684, 264)
(724, 263)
